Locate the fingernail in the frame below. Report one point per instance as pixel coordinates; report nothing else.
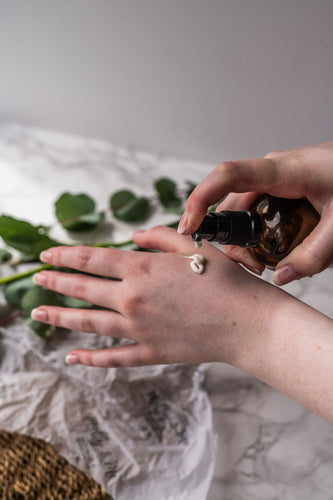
(72, 359)
(39, 279)
(285, 275)
(45, 256)
(183, 223)
(39, 314)
(138, 232)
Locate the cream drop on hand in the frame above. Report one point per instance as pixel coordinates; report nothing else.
(198, 262)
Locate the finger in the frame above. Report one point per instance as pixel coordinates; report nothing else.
(242, 256)
(301, 149)
(108, 262)
(164, 239)
(238, 201)
(116, 357)
(241, 201)
(94, 290)
(108, 323)
(259, 175)
(312, 256)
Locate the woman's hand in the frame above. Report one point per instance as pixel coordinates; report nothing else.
(294, 173)
(171, 314)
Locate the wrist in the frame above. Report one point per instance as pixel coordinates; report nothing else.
(261, 341)
(246, 338)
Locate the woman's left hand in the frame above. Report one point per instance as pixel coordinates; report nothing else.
(171, 314)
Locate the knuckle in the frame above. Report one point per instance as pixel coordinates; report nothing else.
(84, 256)
(197, 200)
(193, 201)
(112, 361)
(141, 265)
(151, 355)
(272, 154)
(53, 314)
(52, 279)
(155, 229)
(133, 303)
(79, 287)
(318, 263)
(144, 266)
(87, 323)
(227, 168)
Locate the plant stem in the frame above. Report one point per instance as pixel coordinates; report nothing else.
(113, 244)
(18, 276)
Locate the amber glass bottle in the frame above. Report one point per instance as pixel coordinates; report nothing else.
(270, 229)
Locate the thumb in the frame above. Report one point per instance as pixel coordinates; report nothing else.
(264, 175)
(312, 256)
(164, 239)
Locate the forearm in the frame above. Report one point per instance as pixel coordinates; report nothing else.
(293, 352)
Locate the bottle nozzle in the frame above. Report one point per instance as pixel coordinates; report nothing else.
(241, 228)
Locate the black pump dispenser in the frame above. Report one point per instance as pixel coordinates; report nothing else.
(242, 228)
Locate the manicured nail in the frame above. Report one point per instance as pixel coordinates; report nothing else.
(40, 314)
(45, 256)
(183, 223)
(39, 279)
(72, 359)
(138, 232)
(285, 275)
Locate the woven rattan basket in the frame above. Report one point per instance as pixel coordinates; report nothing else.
(30, 469)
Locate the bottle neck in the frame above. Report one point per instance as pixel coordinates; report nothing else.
(242, 228)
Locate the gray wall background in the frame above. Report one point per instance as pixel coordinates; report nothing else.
(205, 79)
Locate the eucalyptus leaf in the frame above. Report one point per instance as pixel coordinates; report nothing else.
(25, 237)
(35, 297)
(14, 291)
(76, 212)
(5, 256)
(120, 199)
(127, 207)
(167, 193)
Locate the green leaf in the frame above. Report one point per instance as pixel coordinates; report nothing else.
(75, 303)
(76, 212)
(35, 297)
(25, 237)
(167, 192)
(127, 207)
(5, 256)
(14, 291)
(120, 199)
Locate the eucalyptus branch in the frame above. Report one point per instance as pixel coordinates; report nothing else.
(25, 274)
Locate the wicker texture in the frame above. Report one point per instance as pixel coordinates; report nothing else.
(30, 469)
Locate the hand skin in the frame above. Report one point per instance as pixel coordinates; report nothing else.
(295, 173)
(173, 315)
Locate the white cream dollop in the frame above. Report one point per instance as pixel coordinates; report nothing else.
(197, 263)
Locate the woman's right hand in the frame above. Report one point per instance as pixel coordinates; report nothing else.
(295, 173)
